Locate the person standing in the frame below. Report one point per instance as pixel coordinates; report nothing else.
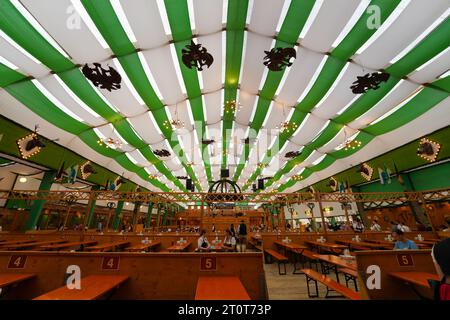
(358, 226)
(242, 236)
(440, 254)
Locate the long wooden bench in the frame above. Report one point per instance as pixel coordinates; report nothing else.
(143, 247)
(111, 246)
(220, 288)
(331, 285)
(92, 287)
(12, 279)
(311, 258)
(350, 275)
(279, 258)
(31, 245)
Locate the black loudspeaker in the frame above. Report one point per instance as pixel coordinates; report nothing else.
(225, 173)
(254, 187)
(193, 188)
(261, 184)
(189, 184)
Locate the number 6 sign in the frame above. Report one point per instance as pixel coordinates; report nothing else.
(208, 264)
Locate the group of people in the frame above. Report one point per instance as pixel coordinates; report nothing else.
(235, 239)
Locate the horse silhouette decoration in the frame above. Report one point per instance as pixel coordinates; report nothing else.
(196, 56)
(102, 78)
(278, 58)
(369, 82)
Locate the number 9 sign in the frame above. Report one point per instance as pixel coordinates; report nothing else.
(208, 264)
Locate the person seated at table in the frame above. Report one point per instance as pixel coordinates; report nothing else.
(229, 243)
(440, 255)
(447, 222)
(404, 227)
(375, 226)
(202, 242)
(401, 242)
(358, 226)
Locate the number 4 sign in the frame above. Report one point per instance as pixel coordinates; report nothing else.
(110, 263)
(17, 262)
(208, 264)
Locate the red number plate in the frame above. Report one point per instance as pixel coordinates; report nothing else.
(208, 264)
(110, 263)
(405, 260)
(17, 262)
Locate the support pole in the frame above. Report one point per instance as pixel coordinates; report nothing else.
(90, 213)
(90, 206)
(424, 207)
(324, 227)
(38, 205)
(149, 215)
(116, 219)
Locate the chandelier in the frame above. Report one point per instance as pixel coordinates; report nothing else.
(286, 126)
(175, 124)
(297, 177)
(349, 143)
(110, 143)
(231, 106)
(352, 144)
(153, 176)
(261, 165)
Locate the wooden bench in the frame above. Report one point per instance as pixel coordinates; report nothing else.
(8, 280)
(312, 259)
(111, 246)
(220, 288)
(31, 245)
(350, 275)
(279, 257)
(68, 245)
(312, 275)
(143, 247)
(92, 287)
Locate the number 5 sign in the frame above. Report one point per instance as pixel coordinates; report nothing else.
(208, 264)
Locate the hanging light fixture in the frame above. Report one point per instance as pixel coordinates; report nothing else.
(297, 177)
(286, 126)
(110, 142)
(349, 143)
(175, 124)
(231, 106)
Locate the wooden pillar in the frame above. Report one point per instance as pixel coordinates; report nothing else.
(38, 205)
(346, 212)
(90, 206)
(66, 218)
(424, 207)
(202, 210)
(149, 215)
(324, 227)
(116, 219)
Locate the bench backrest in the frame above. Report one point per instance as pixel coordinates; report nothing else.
(387, 261)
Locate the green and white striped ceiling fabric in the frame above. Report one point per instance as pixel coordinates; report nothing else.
(156, 76)
(435, 43)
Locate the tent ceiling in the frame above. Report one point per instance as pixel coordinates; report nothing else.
(44, 44)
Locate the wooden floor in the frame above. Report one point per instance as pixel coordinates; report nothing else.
(292, 286)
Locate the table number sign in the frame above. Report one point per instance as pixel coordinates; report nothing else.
(208, 264)
(17, 262)
(405, 260)
(110, 263)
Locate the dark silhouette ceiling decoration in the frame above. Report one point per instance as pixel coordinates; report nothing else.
(196, 56)
(368, 82)
(162, 153)
(102, 78)
(278, 58)
(292, 154)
